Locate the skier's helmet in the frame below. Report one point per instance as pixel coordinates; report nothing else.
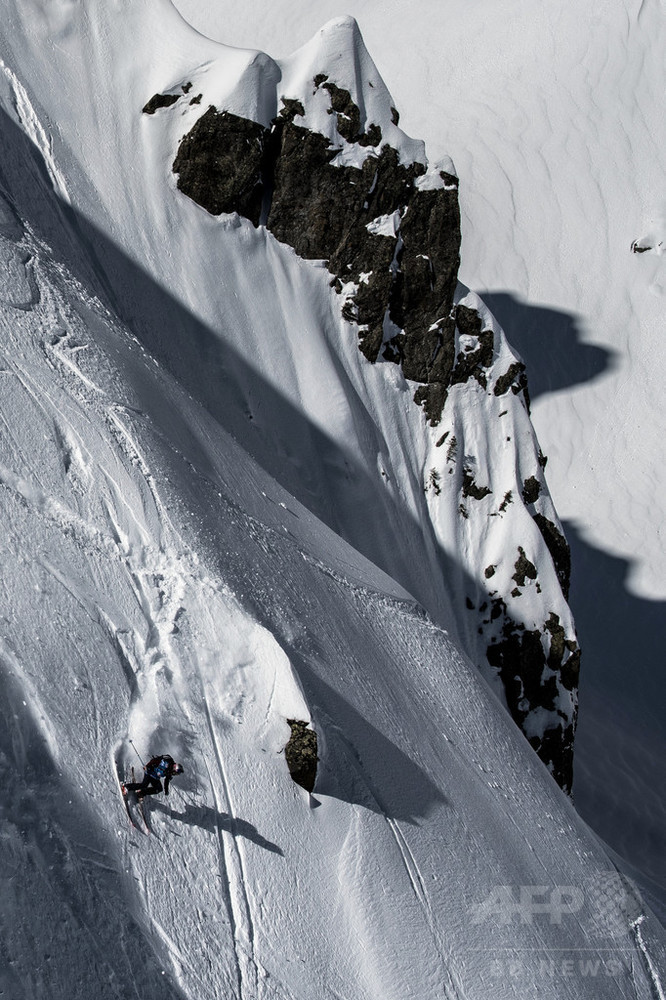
(177, 768)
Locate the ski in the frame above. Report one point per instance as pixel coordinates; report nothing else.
(145, 829)
(125, 795)
(142, 814)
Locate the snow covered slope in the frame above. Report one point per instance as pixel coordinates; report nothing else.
(553, 115)
(160, 584)
(157, 583)
(260, 339)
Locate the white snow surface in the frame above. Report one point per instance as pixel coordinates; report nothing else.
(160, 584)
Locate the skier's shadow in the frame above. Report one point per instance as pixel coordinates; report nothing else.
(213, 821)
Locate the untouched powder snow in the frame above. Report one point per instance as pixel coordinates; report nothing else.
(160, 584)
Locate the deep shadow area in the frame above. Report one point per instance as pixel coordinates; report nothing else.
(216, 375)
(207, 818)
(620, 769)
(550, 343)
(355, 749)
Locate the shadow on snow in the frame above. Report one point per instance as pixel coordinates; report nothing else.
(550, 343)
(207, 818)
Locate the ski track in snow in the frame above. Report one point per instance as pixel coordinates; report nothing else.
(150, 570)
(232, 862)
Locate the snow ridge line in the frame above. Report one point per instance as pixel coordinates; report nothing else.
(31, 125)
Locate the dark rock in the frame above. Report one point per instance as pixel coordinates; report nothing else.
(220, 164)
(498, 608)
(158, 101)
(227, 164)
(473, 363)
(559, 551)
(470, 489)
(301, 754)
(349, 118)
(521, 662)
(515, 379)
(524, 569)
(372, 136)
(531, 490)
(508, 498)
(434, 482)
(291, 108)
(348, 113)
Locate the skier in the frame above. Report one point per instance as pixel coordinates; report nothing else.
(162, 766)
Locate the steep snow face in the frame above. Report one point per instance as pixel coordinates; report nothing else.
(257, 335)
(325, 182)
(158, 584)
(553, 115)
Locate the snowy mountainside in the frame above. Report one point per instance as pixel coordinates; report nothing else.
(553, 115)
(158, 583)
(262, 342)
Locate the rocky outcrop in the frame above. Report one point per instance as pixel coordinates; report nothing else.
(220, 164)
(392, 245)
(301, 754)
(559, 550)
(533, 675)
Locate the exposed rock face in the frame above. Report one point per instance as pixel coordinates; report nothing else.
(220, 164)
(158, 101)
(559, 550)
(392, 246)
(301, 754)
(323, 178)
(532, 679)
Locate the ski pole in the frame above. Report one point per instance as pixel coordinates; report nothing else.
(138, 754)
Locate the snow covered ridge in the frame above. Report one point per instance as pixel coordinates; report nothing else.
(333, 176)
(325, 176)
